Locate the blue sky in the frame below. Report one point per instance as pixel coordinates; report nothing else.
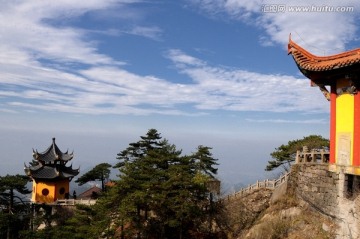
(98, 74)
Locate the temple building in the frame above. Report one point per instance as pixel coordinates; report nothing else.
(50, 175)
(338, 77)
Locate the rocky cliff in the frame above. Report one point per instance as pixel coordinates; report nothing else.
(313, 203)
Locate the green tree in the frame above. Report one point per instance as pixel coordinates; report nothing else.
(284, 155)
(138, 150)
(15, 210)
(69, 223)
(204, 161)
(100, 172)
(159, 191)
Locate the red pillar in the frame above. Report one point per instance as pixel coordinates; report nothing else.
(356, 152)
(333, 124)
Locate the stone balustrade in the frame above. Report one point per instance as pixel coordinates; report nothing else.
(266, 184)
(312, 156)
(317, 156)
(72, 202)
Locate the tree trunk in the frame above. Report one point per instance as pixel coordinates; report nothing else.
(122, 230)
(8, 230)
(138, 222)
(11, 205)
(102, 183)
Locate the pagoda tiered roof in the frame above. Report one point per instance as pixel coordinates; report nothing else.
(52, 154)
(51, 172)
(51, 164)
(324, 68)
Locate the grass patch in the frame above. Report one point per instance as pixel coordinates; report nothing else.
(276, 228)
(285, 202)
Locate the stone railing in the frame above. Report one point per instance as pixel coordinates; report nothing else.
(319, 156)
(266, 184)
(312, 156)
(72, 202)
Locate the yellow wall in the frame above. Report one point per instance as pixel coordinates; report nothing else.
(63, 184)
(33, 195)
(344, 126)
(56, 190)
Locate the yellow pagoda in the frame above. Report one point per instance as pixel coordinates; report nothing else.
(337, 76)
(50, 175)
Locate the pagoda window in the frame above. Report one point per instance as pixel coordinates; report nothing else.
(62, 191)
(45, 192)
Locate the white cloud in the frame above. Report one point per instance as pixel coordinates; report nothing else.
(239, 90)
(111, 90)
(149, 32)
(36, 60)
(25, 30)
(319, 30)
(181, 59)
(282, 121)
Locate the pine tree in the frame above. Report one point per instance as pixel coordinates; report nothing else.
(160, 194)
(160, 191)
(100, 172)
(15, 211)
(284, 155)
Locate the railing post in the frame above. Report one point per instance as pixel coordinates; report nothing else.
(323, 158)
(313, 157)
(297, 159)
(305, 151)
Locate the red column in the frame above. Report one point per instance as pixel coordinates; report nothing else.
(333, 124)
(356, 152)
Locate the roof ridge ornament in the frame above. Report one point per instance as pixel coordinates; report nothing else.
(54, 148)
(322, 70)
(35, 154)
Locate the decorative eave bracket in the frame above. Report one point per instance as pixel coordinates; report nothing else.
(323, 90)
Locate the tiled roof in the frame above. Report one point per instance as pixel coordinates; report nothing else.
(309, 62)
(51, 171)
(90, 193)
(51, 154)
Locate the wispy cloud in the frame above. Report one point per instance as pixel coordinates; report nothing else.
(149, 32)
(321, 26)
(52, 68)
(283, 121)
(240, 90)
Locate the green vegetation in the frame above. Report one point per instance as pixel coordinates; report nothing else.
(285, 154)
(14, 212)
(100, 172)
(160, 193)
